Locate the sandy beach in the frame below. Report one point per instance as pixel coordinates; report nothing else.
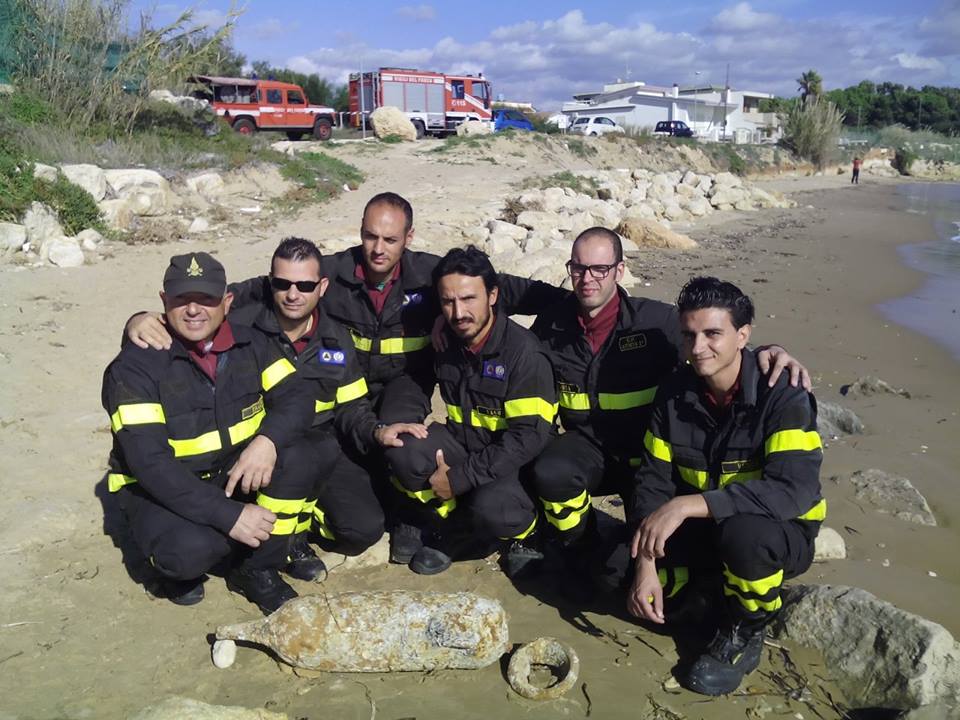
(80, 639)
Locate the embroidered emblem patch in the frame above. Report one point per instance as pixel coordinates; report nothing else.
(493, 370)
(332, 357)
(412, 299)
(632, 342)
(194, 269)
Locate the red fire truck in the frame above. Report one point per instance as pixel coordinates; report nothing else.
(435, 102)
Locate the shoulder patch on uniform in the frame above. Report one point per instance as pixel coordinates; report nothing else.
(495, 370)
(331, 357)
(632, 342)
(568, 387)
(412, 298)
(249, 412)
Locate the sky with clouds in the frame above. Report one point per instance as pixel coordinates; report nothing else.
(544, 52)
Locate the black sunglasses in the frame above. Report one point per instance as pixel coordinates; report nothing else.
(304, 286)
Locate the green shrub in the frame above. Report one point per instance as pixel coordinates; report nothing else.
(584, 185)
(323, 175)
(391, 139)
(580, 148)
(75, 207)
(26, 108)
(812, 129)
(903, 159)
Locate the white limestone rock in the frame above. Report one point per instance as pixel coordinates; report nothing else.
(90, 177)
(64, 252)
(12, 237)
(208, 184)
(89, 239)
(500, 227)
(147, 190)
(391, 121)
(829, 546)
(42, 225)
(45, 172)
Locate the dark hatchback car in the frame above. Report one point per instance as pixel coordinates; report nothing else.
(676, 128)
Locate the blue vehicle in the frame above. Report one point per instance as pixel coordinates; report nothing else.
(506, 118)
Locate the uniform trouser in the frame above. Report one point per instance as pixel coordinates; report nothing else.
(570, 470)
(342, 507)
(404, 399)
(181, 549)
(750, 555)
(500, 508)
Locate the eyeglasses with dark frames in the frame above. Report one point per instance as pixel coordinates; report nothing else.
(304, 286)
(597, 272)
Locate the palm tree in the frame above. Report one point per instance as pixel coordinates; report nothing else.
(810, 84)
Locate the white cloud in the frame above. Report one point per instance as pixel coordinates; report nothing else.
(741, 18)
(916, 62)
(548, 61)
(417, 12)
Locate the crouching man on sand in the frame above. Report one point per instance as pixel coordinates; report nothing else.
(727, 499)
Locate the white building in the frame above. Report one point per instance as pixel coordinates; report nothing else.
(712, 112)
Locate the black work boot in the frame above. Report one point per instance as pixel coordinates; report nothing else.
(405, 541)
(733, 653)
(183, 592)
(583, 563)
(303, 563)
(432, 558)
(265, 588)
(522, 558)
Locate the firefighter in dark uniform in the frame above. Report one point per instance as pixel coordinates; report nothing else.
(342, 511)
(499, 391)
(609, 352)
(200, 439)
(727, 494)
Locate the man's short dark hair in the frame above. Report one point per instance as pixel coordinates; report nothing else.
(297, 249)
(607, 234)
(711, 292)
(394, 201)
(468, 261)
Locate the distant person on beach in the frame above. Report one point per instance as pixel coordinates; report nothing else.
(726, 502)
(857, 162)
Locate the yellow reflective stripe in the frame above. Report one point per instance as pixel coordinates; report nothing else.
(360, 342)
(574, 400)
(558, 507)
(137, 414)
(492, 423)
(681, 576)
(525, 407)
(753, 605)
(323, 406)
(352, 391)
(525, 533)
(627, 400)
(660, 449)
(208, 442)
(455, 413)
(578, 506)
(727, 478)
(275, 373)
(817, 512)
(761, 586)
(320, 522)
(425, 496)
(395, 346)
(287, 526)
(276, 505)
(698, 478)
(792, 440)
(115, 481)
(246, 428)
(306, 516)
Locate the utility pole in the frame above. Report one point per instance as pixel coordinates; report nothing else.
(919, 108)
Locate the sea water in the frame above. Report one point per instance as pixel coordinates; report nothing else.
(934, 308)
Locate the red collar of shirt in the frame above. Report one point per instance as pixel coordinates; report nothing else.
(300, 344)
(598, 328)
(478, 343)
(204, 353)
(717, 408)
(378, 292)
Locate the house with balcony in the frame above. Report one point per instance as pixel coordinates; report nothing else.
(713, 112)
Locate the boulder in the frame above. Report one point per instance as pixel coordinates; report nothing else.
(89, 239)
(90, 177)
(12, 237)
(391, 121)
(63, 252)
(208, 184)
(688, 191)
(829, 546)
(727, 179)
(474, 127)
(636, 196)
(377, 555)
(499, 227)
(721, 195)
(648, 233)
(45, 172)
(744, 204)
(834, 420)
(178, 708)
(118, 213)
(476, 235)
(532, 200)
(868, 385)
(690, 178)
(538, 220)
(698, 207)
(42, 225)
(499, 243)
(879, 655)
(892, 495)
(554, 200)
(199, 225)
(673, 212)
(579, 222)
(642, 211)
(606, 213)
(147, 190)
(534, 243)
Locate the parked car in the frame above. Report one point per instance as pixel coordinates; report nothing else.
(250, 105)
(676, 128)
(595, 125)
(506, 118)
